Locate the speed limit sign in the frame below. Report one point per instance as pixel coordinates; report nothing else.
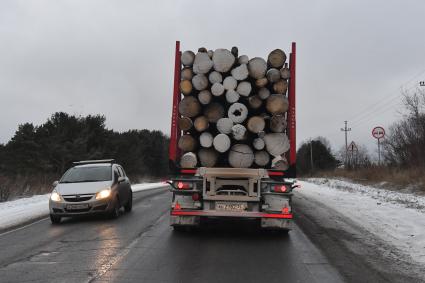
(378, 133)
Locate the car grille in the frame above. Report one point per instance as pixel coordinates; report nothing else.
(77, 198)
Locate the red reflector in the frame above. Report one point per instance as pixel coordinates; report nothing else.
(195, 197)
(275, 173)
(280, 188)
(188, 171)
(285, 210)
(177, 206)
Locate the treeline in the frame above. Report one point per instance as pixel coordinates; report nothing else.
(314, 156)
(49, 149)
(404, 146)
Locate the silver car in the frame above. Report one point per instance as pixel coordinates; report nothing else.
(91, 187)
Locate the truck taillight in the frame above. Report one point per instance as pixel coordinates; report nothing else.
(184, 185)
(285, 210)
(280, 189)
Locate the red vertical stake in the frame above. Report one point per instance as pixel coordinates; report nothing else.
(292, 116)
(173, 151)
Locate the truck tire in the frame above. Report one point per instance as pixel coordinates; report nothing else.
(55, 219)
(129, 205)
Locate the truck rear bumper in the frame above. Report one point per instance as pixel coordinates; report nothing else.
(245, 214)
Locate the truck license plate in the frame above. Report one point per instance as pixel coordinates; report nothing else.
(231, 206)
(77, 206)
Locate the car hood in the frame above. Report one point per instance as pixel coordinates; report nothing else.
(82, 188)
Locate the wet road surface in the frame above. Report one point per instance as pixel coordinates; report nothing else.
(141, 247)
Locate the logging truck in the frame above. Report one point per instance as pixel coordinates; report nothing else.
(232, 148)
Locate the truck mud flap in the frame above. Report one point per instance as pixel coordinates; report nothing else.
(184, 220)
(275, 223)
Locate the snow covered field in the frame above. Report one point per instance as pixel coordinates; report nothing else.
(19, 211)
(395, 217)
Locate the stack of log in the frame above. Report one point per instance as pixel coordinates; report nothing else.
(233, 110)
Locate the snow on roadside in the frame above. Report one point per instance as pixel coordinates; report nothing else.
(397, 218)
(13, 213)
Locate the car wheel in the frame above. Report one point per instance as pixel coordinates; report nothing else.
(55, 219)
(115, 212)
(129, 205)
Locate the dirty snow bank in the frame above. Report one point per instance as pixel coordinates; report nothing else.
(397, 218)
(13, 213)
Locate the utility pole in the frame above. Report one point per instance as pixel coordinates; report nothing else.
(346, 130)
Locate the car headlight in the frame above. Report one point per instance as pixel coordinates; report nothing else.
(103, 194)
(55, 196)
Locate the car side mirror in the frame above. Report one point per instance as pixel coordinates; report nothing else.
(121, 179)
(55, 183)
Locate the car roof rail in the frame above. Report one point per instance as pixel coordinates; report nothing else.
(84, 162)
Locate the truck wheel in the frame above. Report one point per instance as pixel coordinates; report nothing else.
(129, 205)
(55, 219)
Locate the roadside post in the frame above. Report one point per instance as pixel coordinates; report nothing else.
(378, 133)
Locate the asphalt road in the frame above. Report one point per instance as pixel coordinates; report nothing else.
(141, 247)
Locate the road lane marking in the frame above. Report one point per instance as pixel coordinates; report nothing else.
(23, 227)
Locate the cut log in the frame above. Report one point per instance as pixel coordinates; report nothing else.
(202, 63)
(223, 60)
(187, 143)
(188, 160)
(285, 73)
(232, 96)
(276, 143)
(258, 144)
(240, 73)
(206, 139)
(214, 112)
(239, 132)
(237, 112)
(217, 89)
(224, 125)
(255, 102)
(261, 82)
(243, 59)
(280, 86)
(186, 87)
(205, 97)
(230, 83)
(187, 74)
(276, 58)
(210, 54)
(257, 67)
(256, 124)
(244, 88)
(222, 143)
(263, 93)
(280, 163)
(273, 75)
(261, 158)
(208, 157)
(202, 50)
(187, 58)
(278, 123)
(215, 77)
(277, 104)
(189, 107)
(201, 123)
(200, 82)
(185, 123)
(241, 156)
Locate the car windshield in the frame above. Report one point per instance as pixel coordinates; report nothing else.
(87, 174)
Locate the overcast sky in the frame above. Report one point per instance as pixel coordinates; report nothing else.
(116, 58)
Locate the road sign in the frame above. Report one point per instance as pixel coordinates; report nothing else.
(352, 147)
(378, 133)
